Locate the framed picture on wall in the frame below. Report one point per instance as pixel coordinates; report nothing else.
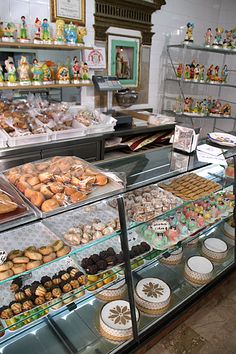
(123, 59)
(68, 10)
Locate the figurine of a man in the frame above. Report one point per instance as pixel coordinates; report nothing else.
(23, 31)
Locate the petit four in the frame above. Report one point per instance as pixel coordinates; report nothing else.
(214, 249)
(198, 270)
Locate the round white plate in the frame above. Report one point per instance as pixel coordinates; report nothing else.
(223, 139)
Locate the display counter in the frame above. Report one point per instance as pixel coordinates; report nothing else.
(131, 260)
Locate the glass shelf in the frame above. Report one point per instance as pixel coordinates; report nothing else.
(201, 83)
(202, 48)
(172, 113)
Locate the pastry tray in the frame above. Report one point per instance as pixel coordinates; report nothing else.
(27, 139)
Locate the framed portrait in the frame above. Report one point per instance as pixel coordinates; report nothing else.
(123, 59)
(68, 10)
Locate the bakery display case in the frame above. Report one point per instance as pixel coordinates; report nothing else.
(102, 275)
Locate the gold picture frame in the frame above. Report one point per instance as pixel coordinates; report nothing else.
(63, 10)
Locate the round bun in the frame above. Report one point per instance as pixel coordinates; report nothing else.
(57, 245)
(19, 268)
(33, 264)
(32, 255)
(45, 250)
(20, 260)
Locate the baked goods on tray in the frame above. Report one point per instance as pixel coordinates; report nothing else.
(190, 187)
(55, 182)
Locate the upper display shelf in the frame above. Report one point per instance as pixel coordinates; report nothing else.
(18, 45)
(202, 48)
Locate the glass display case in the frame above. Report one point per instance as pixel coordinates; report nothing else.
(103, 276)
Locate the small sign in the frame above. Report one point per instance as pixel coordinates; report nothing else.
(3, 256)
(95, 58)
(160, 226)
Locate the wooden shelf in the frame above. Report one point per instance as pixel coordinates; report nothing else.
(18, 45)
(32, 87)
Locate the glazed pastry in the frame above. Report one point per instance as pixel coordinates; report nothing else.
(16, 307)
(16, 285)
(19, 268)
(56, 291)
(39, 300)
(33, 264)
(33, 181)
(45, 250)
(56, 279)
(37, 199)
(56, 187)
(33, 255)
(44, 189)
(50, 257)
(27, 305)
(48, 296)
(7, 274)
(46, 282)
(27, 290)
(74, 283)
(50, 205)
(65, 286)
(13, 254)
(57, 245)
(38, 290)
(19, 295)
(20, 260)
(81, 278)
(6, 266)
(63, 251)
(72, 271)
(6, 313)
(101, 180)
(64, 275)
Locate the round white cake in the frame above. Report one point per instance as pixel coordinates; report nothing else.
(174, 258)
(198, 270)
(215, 249)
(152, 296)
(194, 242)
(114, 292)
(229, 228)
(115, 320)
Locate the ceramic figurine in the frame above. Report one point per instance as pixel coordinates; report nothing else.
(188, 102)
(37, 34)
(204, 105)
(47, 74)
(23, 71)
(1, 76)
(187, 72)
(60, 28)
(1, 29)
(218, 37)
(197, 108)
(84, 72)
(208, 37)
(196, 72)
(76, 70)
(224, 73)
(210, 73)
(216, 75)
(63, 74)
(179, 71)
(189, 33)
(178, 105)
(202, 73)
(70, 34)
(225, 44)
(45, 31)
(228, 38)
(226, 110)
(192, 68)
(23, 35)
(81, 33)
(11, 71)
(37, 72)
(9, 32)
(216, 108)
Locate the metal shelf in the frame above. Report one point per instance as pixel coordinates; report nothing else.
(195, 116)
(202, 48)
(201, 83)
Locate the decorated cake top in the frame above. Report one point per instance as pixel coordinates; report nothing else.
(178, 251)
(200, 265)
(153, 290)
(215, 244)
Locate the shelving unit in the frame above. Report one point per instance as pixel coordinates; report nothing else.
(35, 87)
(19, 45)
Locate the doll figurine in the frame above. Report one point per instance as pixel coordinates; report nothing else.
(37, 72)
(45, 31)
(226, 110)
(224, 73)
(192, 68)
(1, 29)
(218, 37)
(37, 34)
(70, 34)
(1, 76)
(208, 37)
(60, 28)
(210, 73)
(81, 33)
(188, 103)
(196, 72)
(216, 76)
(204, 105)
(228, 38)
(179, 71)
(178, 105)
(202, 73)
(11, 72)
(9, 32)
(187, 72)
(47, 74)
(76, 70)
(189, 32)
(23, 71)
(63, 74)
(84, 72)
(23, 37)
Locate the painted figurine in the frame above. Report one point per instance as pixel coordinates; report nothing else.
(9, 32)
(45, 30)
(81, 33)
(204, 105)
(60, 36)
(76, 70)
(208, 37)
(188, 103)
(189, 32)
(47, 74)
(63, 74)
(11, 71)
(224, 73)
(23, 30)
(218, 37)
(226, 110)
(216, 108)
(1, 29)
(37, 72)
(196, 72)
(178, 105)
(192, 68)
(179, 71)
(216, 75)
(84, 71)
(229, 38)
(187, 72)
(70, 34)
(210, 73)
(202, 73)
(23, 70)
(1, 76)
(37, 34)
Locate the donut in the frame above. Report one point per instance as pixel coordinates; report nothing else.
(7, 274)
(13, 254)
(57, 245)
(50, 257)
(45, 250)
(6, 266)
(63, 251)
(33, 255)
(37, 199)
(19, 268)
(33, 264)
(49, 205)
(20, 260)
(33, 181)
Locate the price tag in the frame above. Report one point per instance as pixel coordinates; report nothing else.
(3, 256)
(160, 226)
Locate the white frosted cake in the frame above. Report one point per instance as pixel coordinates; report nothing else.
(152, 296)
(214, 249)
(115, 320)
(114, 292)
(198, 270)
(229, 228)
(174, 258)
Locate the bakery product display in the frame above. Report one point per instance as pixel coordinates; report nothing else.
(152, 296)
(215, 249)
(198, 270)
(114, 292)
(115, 320)
(190, 187)
(175, 257)
(229, 228)
(56, 182)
